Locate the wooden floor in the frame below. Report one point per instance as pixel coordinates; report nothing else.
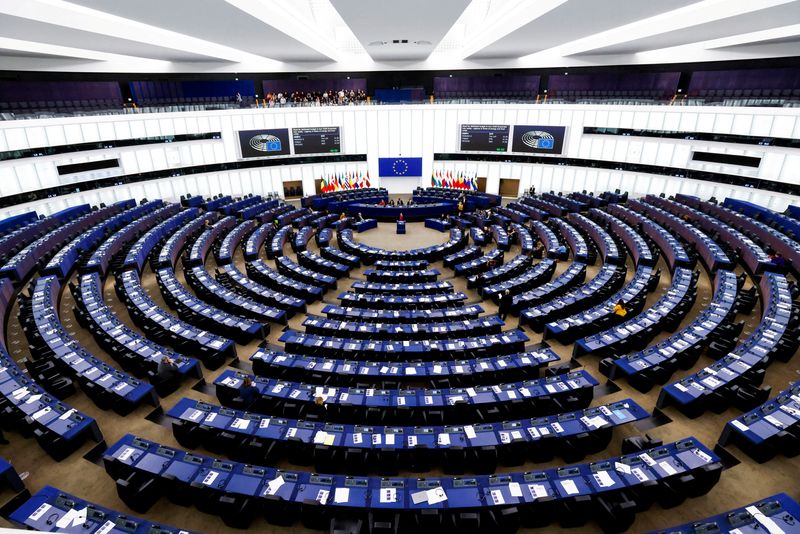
(739, 485)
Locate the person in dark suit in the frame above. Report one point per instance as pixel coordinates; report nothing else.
(318, 411)
(248, 393)
(505, 304)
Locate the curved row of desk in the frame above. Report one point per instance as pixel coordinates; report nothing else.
(548, 395)
(361, 449)
(350, 372)
(608, 491)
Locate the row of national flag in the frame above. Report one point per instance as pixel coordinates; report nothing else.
(344, 181)
(457, 180)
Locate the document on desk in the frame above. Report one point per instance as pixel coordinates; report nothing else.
(514, 489)
(274, 485)
(341, 495)
(388, 495)
(436, 495)
(569, 486)
(470, 432)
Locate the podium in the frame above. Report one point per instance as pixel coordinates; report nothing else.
(401, 227)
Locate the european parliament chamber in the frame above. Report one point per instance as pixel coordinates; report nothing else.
(454, 266)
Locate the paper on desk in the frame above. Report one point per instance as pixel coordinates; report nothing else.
(341, 495)
(470, 432)
(514, 489)
(436, 495)
(569, 486)
(274, 485)
(388, 495)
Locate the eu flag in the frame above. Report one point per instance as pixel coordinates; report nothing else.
(400, 166)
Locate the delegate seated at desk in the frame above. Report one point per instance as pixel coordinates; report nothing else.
(538, 249)
(620, 308)
(248, 393)
(360, 217)
(167, 371)
(318, 411)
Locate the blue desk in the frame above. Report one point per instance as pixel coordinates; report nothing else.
(210, 348)
(607, 246)
(403, 315)
(666, 314)
(62, 263)
(506, 342)
(778, 513)
(10, 477)
(762, 432)
(463, 255)
(402, 302)
(673, 250)
(456, 405)
(302, 274)
(538, 437)
(140, 250)
(767, 342)
(482, 326)
(415, 212)
(339, 256)
(401, 227)
(363, 226)
(646, 367)
(119, 340)
(438, 224)
(202, 245)
(51, 510)
(401, 277)
(218, 203)
(640, 251)
(240, 304)
(467, 372)
(576, 242)
(278, 290)
(232, 240)
(687, 466)
(10, 224)
(24, 262)
(322, 264)
(204, 315)
(424, 288)
(574, 275)
(107, 386)
(533, 277)
(100, 260)
(710, 252)
(178, 237)
(610, 277)
(593, 319)
(369, 255)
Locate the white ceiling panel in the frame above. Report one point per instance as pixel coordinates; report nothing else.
(573, 20)
(213, 20)
(758, 20)
(420, 23)
(32, 30)
(263, 36)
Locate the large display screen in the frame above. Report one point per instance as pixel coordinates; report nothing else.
(260, 143)
(321, 140)
(538, 139)
(484, 137)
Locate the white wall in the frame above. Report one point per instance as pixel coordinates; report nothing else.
(421, 131)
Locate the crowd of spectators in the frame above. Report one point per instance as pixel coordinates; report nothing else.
(341, 97)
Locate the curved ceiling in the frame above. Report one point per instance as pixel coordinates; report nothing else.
(221, 36)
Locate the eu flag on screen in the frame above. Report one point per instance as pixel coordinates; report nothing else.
(399, 166)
